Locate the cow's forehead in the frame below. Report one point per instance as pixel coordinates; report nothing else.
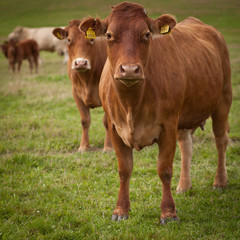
(134, 26)
(128, 8)
(127, 16)
(127, 12)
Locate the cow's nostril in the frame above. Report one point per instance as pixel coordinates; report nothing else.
(137, 70)
(122, 69)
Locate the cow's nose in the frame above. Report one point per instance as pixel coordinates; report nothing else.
(130, 71)
(80, 63)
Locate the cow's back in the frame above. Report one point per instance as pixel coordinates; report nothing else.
(28, 47)
(43, 36)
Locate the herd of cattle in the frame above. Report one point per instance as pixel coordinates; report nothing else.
(157, 81)
(25, 43)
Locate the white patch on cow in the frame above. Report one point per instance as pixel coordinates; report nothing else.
(155, 36)
(81, 59)
(100, 38)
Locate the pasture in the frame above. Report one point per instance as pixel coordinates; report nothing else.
(49, 191)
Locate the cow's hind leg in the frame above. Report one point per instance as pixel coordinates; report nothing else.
(19, 65)
(30, 60)
(36, 63)
(221, 129)
(185, 145)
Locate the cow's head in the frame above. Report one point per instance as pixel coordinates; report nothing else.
(11, 53)
(129, 32)
(80, 49)
(16, 34)
(4, 48)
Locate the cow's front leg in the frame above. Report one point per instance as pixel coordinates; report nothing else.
(167, 146)
(107, 142)
(125, 166)
(85, 121)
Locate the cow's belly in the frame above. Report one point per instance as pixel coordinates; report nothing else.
(140, 137)
(196, 112)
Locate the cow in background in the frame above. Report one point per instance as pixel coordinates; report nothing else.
(86, 60)
(160, 81)
(16, 52)
(4, 48)
(43, 36)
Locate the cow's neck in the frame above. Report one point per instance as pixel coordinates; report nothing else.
(130, 100)
(87, 77)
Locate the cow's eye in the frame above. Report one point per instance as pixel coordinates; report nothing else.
(147, 36)
(91, 40)
(69, 40)
(109, 36)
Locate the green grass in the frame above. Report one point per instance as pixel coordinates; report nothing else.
(49, 191)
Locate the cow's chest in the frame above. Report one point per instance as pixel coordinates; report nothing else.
(89, 95)
(138, 134)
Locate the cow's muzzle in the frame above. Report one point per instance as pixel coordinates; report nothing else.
(129, 74)
(81, 64)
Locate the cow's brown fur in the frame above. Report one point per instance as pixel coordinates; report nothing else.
(155, 86)
(85, 78)
(16, 52)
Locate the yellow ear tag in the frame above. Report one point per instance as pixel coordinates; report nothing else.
(90, 34)
(59, 35)
(164, 29)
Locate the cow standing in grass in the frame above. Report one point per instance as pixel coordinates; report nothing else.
(86, 60)
(160, 81)
(16, 52)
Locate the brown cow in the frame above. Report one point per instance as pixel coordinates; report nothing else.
(154, 84)
(4, 48)
(85, 64)
(16, 52)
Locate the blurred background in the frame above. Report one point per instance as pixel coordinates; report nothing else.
(225, 15)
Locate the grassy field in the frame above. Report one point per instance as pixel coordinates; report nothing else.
(49, 191)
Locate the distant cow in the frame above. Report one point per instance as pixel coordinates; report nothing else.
(4, 48)
(16, 52)
(43, 36)
(85, 64)
(161, 78)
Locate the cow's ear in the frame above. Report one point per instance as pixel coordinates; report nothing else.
(93, 27)
(59, 33)
(164, 24)
(19, 29)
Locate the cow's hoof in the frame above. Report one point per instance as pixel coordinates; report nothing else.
(107, 149)
(83, 149)
(117, 218)
(183, 190)
(164, 221)
(220, 188)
